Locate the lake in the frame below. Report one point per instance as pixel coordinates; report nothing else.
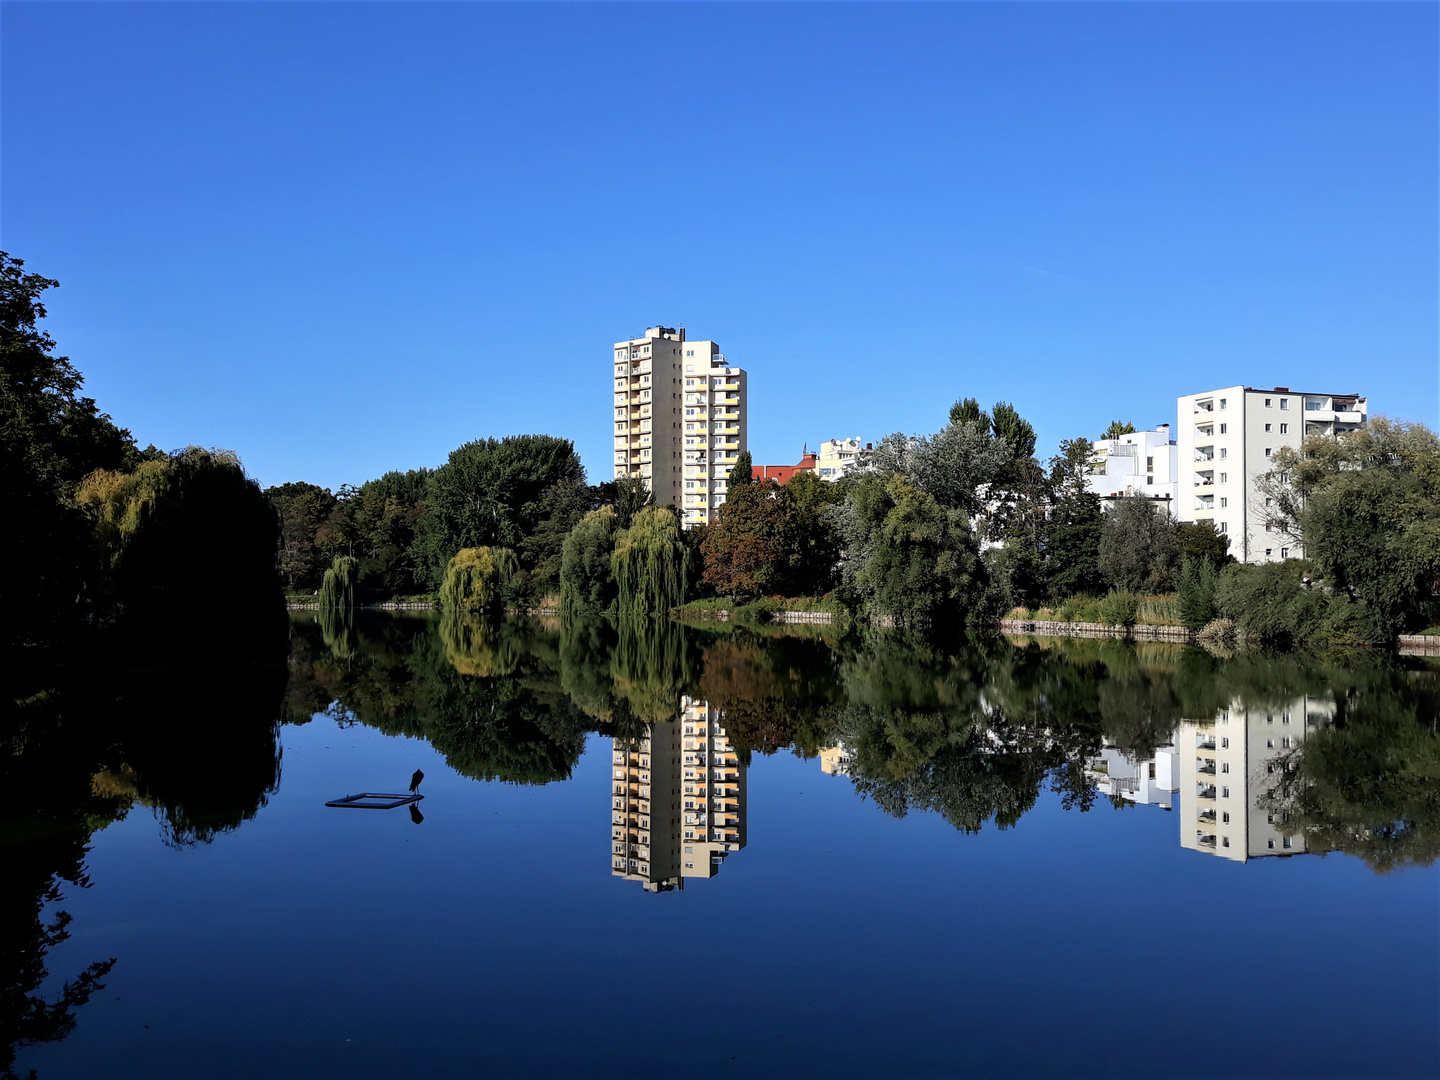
(656, 849)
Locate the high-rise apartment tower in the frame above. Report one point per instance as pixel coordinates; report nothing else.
(680, 419)
(1225, 440)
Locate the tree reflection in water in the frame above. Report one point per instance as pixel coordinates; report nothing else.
(975, 731)
(199, 749)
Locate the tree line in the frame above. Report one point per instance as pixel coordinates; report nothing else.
(107, 543)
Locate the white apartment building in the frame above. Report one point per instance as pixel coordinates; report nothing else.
(1227, 770)
(1225, 440)
(838, 456)
(1143, 463)
(647, 411)
(1151, 782)
(716, 429)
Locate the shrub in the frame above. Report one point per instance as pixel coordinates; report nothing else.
(1119, 608)
(1270, 603)
(1079, 609)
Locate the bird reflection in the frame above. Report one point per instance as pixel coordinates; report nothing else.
(415, 814)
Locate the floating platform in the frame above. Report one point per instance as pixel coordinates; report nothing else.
(375, 800)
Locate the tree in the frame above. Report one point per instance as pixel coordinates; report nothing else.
(337, 590)
(1118, 428)
(490, 493)
(626, 495)
(651, 564)
(587, 582)
(1197, 591)
(907, 557)
(190, 533)
(1367, 507)
(773, 540)
(740, 472)
(476, 578)
(1015, 431)
(1070, 536)
(51, 437)
(302, 510)
(1138, 549)
(1202, 542)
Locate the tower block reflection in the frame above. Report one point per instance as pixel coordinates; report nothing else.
(677, 800)
(1227, 766)
(714, 799)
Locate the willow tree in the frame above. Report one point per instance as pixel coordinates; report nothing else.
(337, 590)
(587, 582)
(189, 532)
(651, 564)
(475, 579)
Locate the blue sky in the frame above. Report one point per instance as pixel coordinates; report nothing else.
(347, 238)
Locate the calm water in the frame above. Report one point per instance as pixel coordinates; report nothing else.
(653, 850)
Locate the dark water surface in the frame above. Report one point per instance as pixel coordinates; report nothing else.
(894, 859)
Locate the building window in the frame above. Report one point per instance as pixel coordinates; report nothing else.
(1285, 743)
(1284, 429)
(1224, 793)
(1270, 844)
(1224, 502)
(689, 352)
(1225, 743)
(1224, 527)
(1267, 403)
(1149, 479)
(1150, 464)
(1225, 818)
(1224, 478)
(1222, 429)
(1267, 451)
(1267, 427)
(1224, 841)
(1284, 403)
(1224, 453)
(1269, 552)
(1222, 403)
(1269, 744)
(1284, 553)
(1224, 766)
(1285, 842)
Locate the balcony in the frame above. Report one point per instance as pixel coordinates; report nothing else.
(1205, 791)
(1204, 406)
(1204, 742)
(1204, 453)
(1206, 769)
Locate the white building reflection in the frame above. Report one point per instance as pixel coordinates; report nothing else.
(1151, 782)
(1228, 768)
(678, 800)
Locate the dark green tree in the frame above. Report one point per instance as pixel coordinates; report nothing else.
(1138, 547)
(490, 493)
(740, 472)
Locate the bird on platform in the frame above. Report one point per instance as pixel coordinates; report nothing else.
(415, 781)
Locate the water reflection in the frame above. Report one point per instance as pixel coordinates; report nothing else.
(974, 734)
(678, 804)
(1258, 756)
(198, 749)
